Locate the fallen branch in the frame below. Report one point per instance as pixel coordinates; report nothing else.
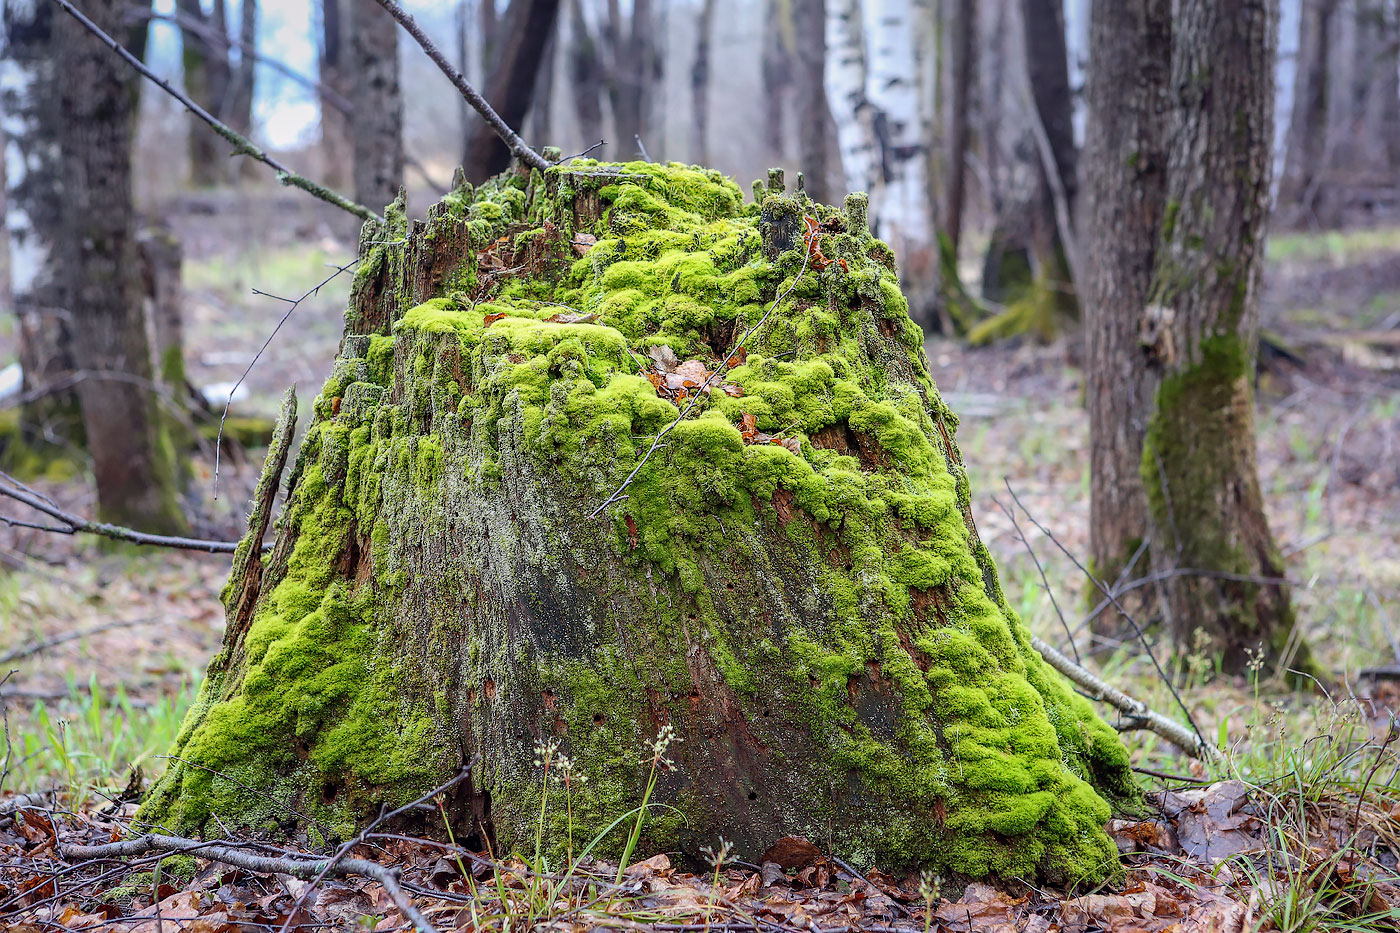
(1142, 715)
(72, 524)
(242, 145)
(305, 869)
(488, 113)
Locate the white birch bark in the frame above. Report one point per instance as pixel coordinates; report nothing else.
(899, 85)
(846, 89)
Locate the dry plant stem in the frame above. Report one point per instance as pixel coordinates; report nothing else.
(1069, 636)
(72, 524)
(242, 145)
(700, 392)
(1146, 718)
(305, 869)
(1142, 636)
(9, 747)
(488, 113)
(292, 304)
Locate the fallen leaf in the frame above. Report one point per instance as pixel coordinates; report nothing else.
(748, 427)
(631, 533)
(664, 358)
(490, 319)
(655, 865)
(693, 371)
(792, 852)
(583, 242)
(571, 317)
(772, 874)
(737, 358)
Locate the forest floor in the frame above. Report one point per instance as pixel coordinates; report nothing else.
(1300, 820)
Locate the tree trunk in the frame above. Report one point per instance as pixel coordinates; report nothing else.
(511, 85)
(1307, 125)
(961, 44)
(1047, 65)
(809, 96)
(633, 71)
(700, 85)
(816, 620)
(337, 74)
(241, 94)
(1125, 196)
(39, 282)
(776, 67)
(377, 120)
(585, 76)
(133, 461)
(208, 81)
(1200, 332)
(846, 83)
(540, 122)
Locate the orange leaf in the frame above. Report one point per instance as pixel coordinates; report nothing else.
(737, 358)
(490, 319)
(631, 533)
(748, 427)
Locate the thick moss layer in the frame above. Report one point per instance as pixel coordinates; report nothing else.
(823, 628)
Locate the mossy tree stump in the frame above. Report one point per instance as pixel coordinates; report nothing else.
(818, 620)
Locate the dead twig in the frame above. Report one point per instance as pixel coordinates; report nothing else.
(488, 113)
(72, 524)
(1069, 636)
(303, 868)
(242, 145)
(33, 648)
(292, 305)
(1109, 595)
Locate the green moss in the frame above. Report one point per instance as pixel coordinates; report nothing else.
(837, 592)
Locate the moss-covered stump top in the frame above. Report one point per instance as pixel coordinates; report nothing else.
(792, 581)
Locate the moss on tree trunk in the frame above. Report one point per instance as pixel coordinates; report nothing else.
(821, 626)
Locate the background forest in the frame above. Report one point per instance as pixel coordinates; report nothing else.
(1065, 237)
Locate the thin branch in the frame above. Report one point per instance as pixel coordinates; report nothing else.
(1011, 514)
(641, 147)
(488, 113)
(1142, 636)
(242, 145)
(33, 648)
(14, 489)
(580, 155)
(1143, 716)
(214, 35)
(305, 869)
(292, 304)
(9, 746)
(700, 392)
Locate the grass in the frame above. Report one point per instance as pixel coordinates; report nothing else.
(1334, 246)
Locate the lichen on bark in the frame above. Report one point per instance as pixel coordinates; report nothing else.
(823, 628)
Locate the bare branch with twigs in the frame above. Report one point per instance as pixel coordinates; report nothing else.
(72, 524)
(303, 868)
(488, 113)
(242, 145)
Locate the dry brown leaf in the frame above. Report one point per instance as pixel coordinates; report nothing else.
(664, 358)
(490, 319)
(792, 852)
(572, 317)
(583, 242)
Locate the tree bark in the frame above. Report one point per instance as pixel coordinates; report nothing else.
(39, 284)
(1307, 125)
(377, 121)
(585, 75)
(776, 69)
(1200, 332)
(809, 97)
(133, 460)
(337, 75)
(241, 92)
(1047, 65)
(961, 44)
(817, 621)
(511, 85)
(700, 85)
(633, 71)
(208, 81)
(1125, 162)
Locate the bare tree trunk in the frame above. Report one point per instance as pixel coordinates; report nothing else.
(586, 77)
(809, 97)
(1200, 332)
(208, 81)
(337, 75)
(377, 120)
(512, 82)
(846, 87)
(30, 79)
(961, 44)
(133, 460)
(700, 86)
(1307, 126)
(777, 71)
(633, 71)
(241, 101)
(1047, 64)
(1125, 196)
(540, 120)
